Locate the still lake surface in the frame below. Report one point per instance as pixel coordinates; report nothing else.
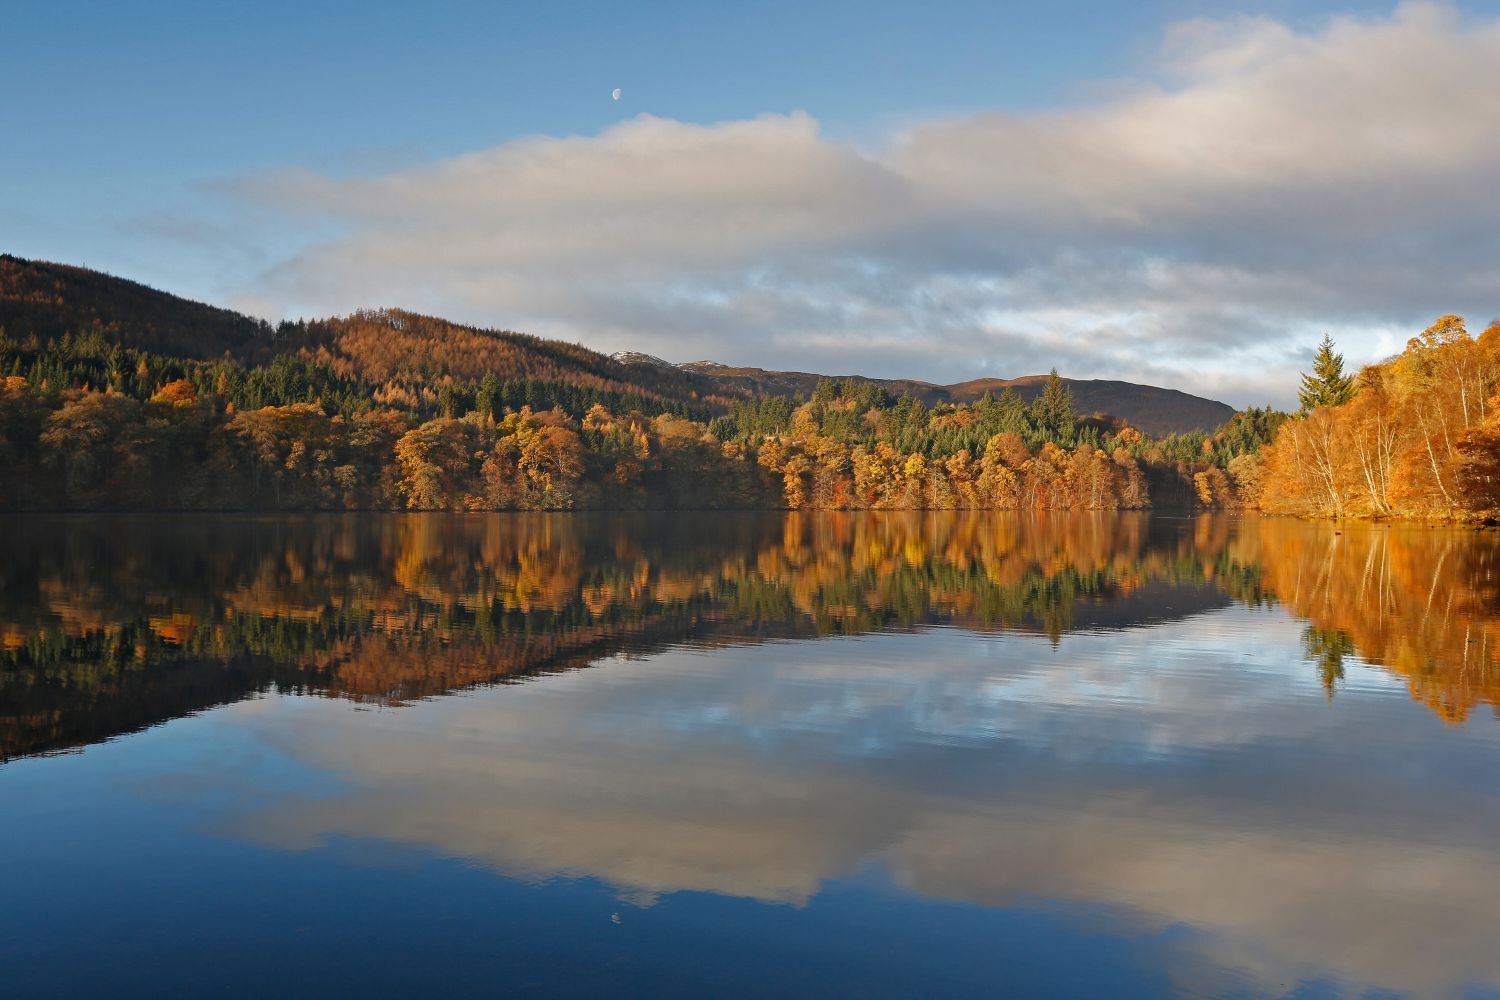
(686, 755)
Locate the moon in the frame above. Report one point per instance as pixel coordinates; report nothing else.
(615, 93)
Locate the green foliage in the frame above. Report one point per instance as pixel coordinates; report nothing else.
(1326, 385)
(1052, 412)
(1246, 432)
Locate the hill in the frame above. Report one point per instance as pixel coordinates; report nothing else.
(49, 300)
(1155, 410)
(406, 355)
(388, 347)
(382, 346)
(760, 382)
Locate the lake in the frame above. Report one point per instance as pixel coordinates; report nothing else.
(850, 754)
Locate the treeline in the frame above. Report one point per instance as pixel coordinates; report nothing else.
(117, 396)
(88, 424)
(426, 387)
(1415, 436)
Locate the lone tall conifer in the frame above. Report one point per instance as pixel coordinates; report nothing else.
(1327, 385)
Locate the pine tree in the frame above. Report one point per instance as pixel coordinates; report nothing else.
(1052, 412)
(1327, 385)
(487, 399)
(1013, 418)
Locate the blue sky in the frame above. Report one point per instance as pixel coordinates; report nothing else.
(939, 192)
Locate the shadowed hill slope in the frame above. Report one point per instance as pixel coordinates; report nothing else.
(1155, 410)
(51, 300)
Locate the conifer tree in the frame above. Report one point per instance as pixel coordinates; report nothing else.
(1052, 413)
(1327, 385)
(1012, 415)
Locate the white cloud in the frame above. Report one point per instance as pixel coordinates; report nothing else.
(1262, 185)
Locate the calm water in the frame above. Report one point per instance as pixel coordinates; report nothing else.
(854, 755)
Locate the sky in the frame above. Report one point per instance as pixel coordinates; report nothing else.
(1183, 193)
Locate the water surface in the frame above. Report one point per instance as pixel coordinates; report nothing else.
(859, 754)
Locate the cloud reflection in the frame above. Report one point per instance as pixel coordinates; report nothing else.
(1168, 779)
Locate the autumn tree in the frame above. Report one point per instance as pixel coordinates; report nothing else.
(438, 466)
(92, 441)
(1479, 473)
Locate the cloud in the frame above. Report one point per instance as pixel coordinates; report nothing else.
(1257, 186)
(1100, 777)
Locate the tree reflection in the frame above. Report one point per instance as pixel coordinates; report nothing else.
(110, 625)
(1327, 648)
(1422, 603)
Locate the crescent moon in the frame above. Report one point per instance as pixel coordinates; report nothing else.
(615, 93)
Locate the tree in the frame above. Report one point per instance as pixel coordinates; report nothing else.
(90, 439)
(436, 462)
(289, 446)
(1052, 413)
(486, 400)
(1327, 385)
(1479, 477)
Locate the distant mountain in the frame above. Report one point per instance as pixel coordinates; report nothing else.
(637, 358)
(760, 382)
(49, 300)
(1155, 410)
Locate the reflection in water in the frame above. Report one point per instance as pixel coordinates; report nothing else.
(1117, 720)
(108, 626)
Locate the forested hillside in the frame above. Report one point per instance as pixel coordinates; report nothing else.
(410, 359)
(405, 353)
(760, 382)
(129, 409)
(391, 354)
(45, 301)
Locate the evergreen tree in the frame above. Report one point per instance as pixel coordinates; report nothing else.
(1052, 413)
(487, 399)
(1013, 418)
(1327, 385)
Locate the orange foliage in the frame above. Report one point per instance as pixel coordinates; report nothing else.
(1418, 439)
(387, 609)
(180, 392)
